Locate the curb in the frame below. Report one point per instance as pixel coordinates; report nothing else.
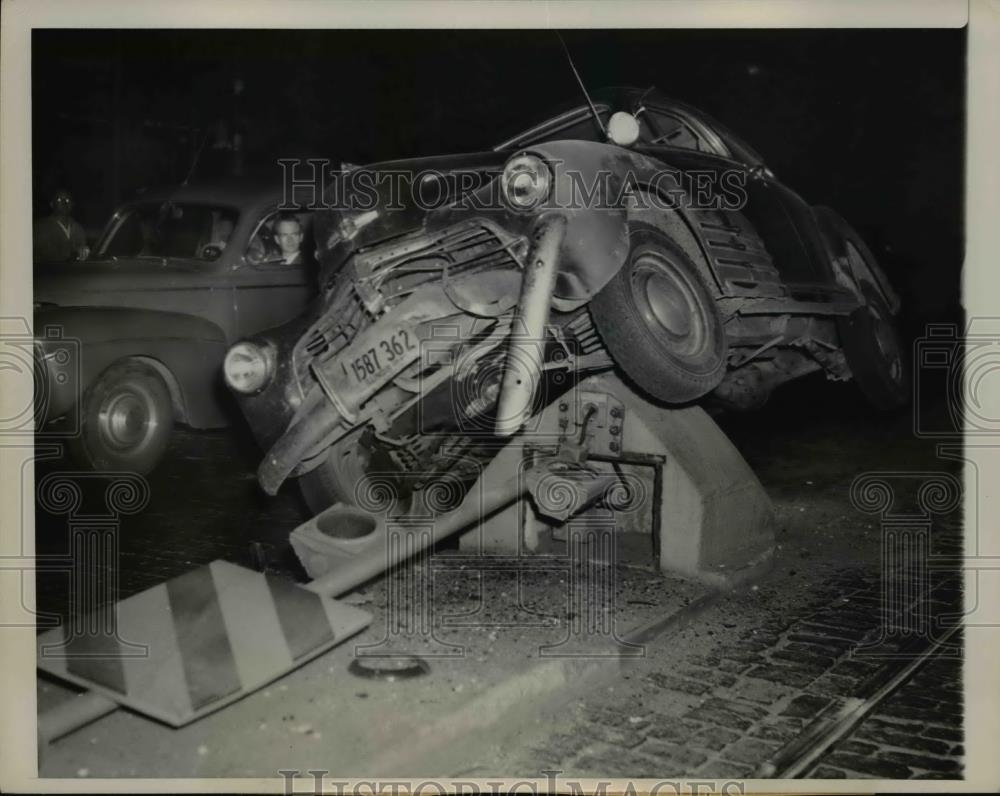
(454, 739)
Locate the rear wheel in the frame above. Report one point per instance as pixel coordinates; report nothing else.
(126, 419)
(659, 321)
(874, 352)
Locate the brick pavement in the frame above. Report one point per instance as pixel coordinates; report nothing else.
(722, 713)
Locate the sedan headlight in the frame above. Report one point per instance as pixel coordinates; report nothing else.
(526, 182)
(248, 367)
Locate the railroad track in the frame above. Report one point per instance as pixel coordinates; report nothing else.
(805, 752)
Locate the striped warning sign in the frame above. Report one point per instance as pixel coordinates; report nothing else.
(198, 642)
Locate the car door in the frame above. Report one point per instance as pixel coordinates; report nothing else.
(266, 291)
(151, 257)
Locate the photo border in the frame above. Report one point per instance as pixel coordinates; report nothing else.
(981, 284)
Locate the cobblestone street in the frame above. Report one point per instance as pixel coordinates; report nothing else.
(721, 714)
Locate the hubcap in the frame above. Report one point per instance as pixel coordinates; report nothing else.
(668, 307)
(668, 303)
(127, 420)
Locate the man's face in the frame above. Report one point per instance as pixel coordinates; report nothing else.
(289, 236)
(62, 204)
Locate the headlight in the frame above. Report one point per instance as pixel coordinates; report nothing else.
(526, 182)
(248, 367)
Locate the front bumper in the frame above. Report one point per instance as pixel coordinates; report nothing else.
(57, 380)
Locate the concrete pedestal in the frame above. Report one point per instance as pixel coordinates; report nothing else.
(712, 519)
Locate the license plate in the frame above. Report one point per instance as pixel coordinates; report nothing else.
(386, 353)
(381, 352)
(377, 356)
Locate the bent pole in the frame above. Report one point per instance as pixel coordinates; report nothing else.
(523, 367)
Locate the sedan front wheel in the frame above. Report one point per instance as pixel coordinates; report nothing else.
(126, 419)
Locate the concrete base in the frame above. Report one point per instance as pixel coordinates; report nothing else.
(710, 514)
(335, 539)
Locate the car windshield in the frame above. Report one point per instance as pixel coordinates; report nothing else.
(170, 229)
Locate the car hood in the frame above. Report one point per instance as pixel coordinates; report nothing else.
(371, 203)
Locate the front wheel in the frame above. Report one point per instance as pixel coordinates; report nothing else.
(659, 321)
(339, 477)
(126, 418)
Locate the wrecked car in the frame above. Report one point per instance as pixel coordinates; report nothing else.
(630, 232)
(177, 276)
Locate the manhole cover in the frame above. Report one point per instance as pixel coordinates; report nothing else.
(389, 667)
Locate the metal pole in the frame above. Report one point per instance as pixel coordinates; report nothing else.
(523, 368)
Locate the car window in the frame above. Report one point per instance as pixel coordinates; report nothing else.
(265, 248)
(691, 129)
(667, 128)
(171, 229)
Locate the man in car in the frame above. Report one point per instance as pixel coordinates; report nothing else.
(59, 238)
(288, 236)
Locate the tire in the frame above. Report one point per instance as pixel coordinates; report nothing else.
(126, 418)
(659, 321)
(337, 478)
(874, 353)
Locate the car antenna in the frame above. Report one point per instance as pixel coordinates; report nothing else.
(583, 88)
(197, 157)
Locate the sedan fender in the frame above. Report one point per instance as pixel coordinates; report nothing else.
(602, 189)
(186, 350)
(852, 272)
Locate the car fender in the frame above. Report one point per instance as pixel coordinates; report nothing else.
(186, 350)
(836, 232)
(633, 187)
(588, 190)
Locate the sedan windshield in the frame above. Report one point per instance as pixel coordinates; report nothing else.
(170, 229)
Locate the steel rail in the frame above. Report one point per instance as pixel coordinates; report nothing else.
(798, 756)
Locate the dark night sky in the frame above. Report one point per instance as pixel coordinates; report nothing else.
(868, 121)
